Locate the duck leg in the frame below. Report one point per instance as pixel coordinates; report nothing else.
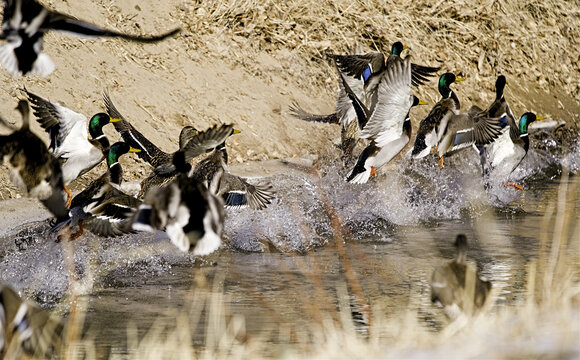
(441, 162)
(68, 197)
(516, 186)
(78, 233)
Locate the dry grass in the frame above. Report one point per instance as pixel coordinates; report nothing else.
(535, 42)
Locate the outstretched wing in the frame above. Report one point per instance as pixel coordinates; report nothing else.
(131, 136)
(394, 102)
(67, 129)
(65, 23)
(360, 66)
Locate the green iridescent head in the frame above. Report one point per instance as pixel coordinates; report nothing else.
(526, 120)
(97, 122)
(117, 149)
(397, 48)
(445, 80)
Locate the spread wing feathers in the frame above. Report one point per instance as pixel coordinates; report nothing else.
(361, 111)
(344, 106)
(112, 217)
(187, 133)
(298, 112)
(484, 131)
(207, 140)
(64, 23)
(394, 102)
(420, 73)
(67, 129)
(237, 192)
(131, 136)
(358, 65)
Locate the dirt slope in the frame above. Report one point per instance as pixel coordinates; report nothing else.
(245, 62)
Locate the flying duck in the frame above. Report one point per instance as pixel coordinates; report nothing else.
(69, 139)
(388, 127)
(23, 27)
(186, 209)
(102, 207)
(33, 169)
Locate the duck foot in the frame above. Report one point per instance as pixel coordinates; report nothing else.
(440, 163)
(78, 233)
(68, 197)
(516, 186)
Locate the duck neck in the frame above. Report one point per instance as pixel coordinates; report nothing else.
(116, 174)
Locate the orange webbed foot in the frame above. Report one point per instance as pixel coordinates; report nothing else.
(515, 186)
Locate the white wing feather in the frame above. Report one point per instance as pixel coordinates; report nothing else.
(394, 101)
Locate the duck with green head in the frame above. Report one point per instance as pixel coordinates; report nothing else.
(102, 207)
(434, 125)
(504, 155)
(70, 142)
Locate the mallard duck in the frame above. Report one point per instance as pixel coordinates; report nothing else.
(69, 139)
(388, 127)
(451, 283)
(505, 154)
(23, 26)
(432, 127)
(235, 191)
(26, 330)
(102, 207)
(34, 171)
(362, 73)
(189, 212)
(465, 130)
(161, 161)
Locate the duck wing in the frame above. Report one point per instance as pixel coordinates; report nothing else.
(67, 129)
(394, 101)
(237, 192)
(360, 66)
(150, 152)
(476, 129)
(420, 73)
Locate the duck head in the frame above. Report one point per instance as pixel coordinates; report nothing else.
(445, 81)
(397, 48)
(499, 86)
(526, 120)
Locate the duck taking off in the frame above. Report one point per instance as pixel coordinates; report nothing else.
(432, 127)
(388, 126)
(189, 212)
(24, 24)
(34, 170)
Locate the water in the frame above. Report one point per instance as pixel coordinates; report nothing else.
(279, 266)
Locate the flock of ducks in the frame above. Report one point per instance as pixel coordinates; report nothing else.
(376, 92)
(188, 202)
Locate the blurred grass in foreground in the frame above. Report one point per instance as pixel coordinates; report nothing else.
(544, 323)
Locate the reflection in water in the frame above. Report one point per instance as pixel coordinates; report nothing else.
(282, 265)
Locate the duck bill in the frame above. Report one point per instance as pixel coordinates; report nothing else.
(421, 102)
(236, 131)
(540, 118)
(114, 120)
(134, 150)
(459, 78)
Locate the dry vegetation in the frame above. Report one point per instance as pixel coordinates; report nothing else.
(534, 43)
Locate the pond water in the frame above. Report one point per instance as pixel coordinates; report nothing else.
(281, 266)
